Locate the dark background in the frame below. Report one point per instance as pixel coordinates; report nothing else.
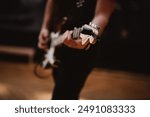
(124, 45)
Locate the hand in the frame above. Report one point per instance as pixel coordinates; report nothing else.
(43, 39)
(73, 43)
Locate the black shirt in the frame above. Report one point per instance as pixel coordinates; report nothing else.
(79, 12)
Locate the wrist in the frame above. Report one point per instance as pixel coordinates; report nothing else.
(45, 26)
(96, 27)
(101, 21)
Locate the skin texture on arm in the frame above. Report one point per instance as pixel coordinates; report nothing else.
(104, 9)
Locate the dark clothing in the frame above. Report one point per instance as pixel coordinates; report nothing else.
(76, 16)
(75, 64)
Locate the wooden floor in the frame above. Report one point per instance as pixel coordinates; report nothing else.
(17, 81)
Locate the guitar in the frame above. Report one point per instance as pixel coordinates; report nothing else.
(85, 33)
(56, 40)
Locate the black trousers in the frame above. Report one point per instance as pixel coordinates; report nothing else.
(72, 72)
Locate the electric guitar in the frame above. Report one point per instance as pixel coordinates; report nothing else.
(85, 33)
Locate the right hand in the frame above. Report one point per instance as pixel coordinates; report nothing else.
(43, 39)
(73, 43)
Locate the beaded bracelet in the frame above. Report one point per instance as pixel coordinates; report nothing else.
(94, 26)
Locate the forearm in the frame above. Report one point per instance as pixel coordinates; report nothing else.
(48, 13)
(103, 12)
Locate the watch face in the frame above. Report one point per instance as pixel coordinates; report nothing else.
(80, 3)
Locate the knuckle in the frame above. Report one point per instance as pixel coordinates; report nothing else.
(39, 45)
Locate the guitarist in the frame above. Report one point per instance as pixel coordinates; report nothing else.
(76, 59)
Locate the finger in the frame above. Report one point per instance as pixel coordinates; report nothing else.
(84, 39)
(65, 36)
(92, 40)
(42, 46)
(70, 34)
(42, 39)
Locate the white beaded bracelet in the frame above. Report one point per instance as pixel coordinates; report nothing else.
(94, 26)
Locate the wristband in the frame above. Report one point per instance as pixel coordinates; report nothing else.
(94, 26)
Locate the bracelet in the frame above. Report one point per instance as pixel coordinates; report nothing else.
(94, 26)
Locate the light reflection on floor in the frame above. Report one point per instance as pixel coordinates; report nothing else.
(17, 81)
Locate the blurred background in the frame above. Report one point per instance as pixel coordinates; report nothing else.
(122, 68)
